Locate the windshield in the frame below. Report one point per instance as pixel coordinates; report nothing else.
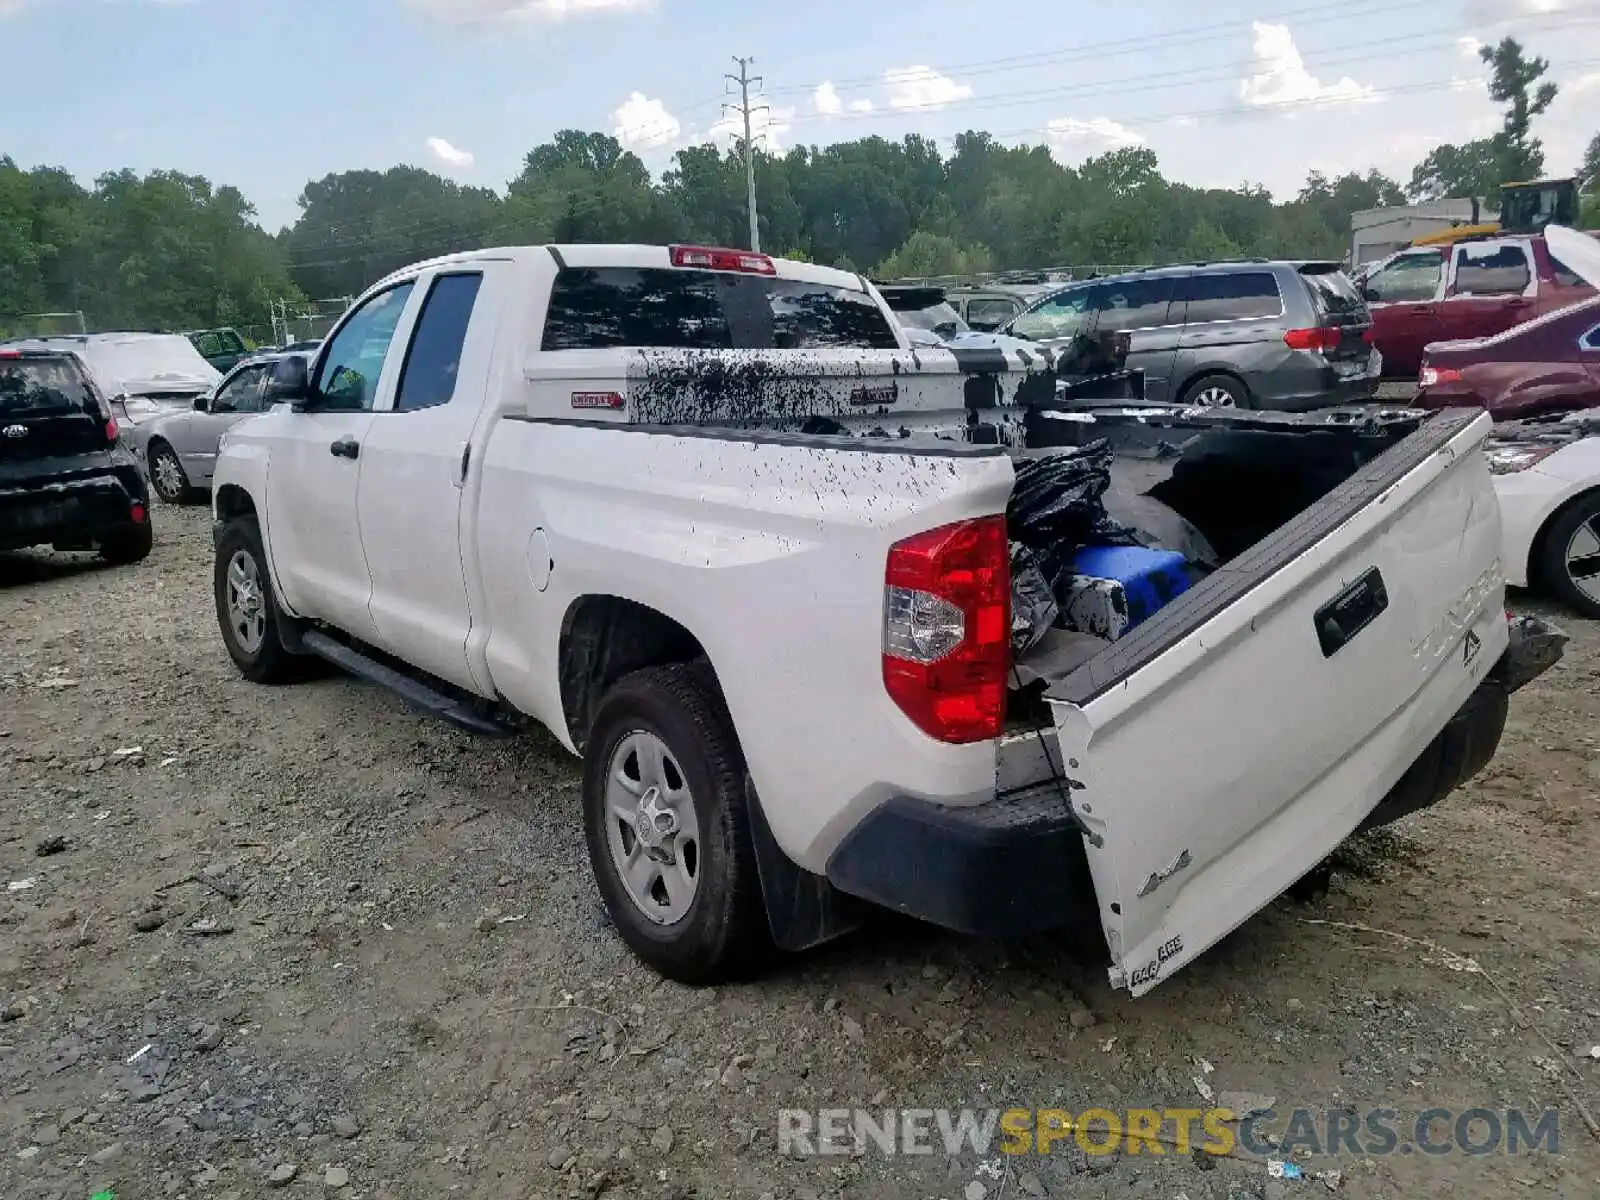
(152, 364)
(941, 319)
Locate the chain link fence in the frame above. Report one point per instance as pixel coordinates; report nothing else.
(28, 325)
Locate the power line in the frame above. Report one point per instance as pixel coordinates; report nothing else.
(1358, 53)
(1143, 44)
(1265, 110)
(1171, 79)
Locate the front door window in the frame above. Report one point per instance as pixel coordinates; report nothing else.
(348, 378)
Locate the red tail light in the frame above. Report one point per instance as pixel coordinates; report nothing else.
(1369, 335)
(111, 429)
(138, 513)
(1321, 340)
(1433, 376)
(10, 354)
(947, 629)
(715, 258)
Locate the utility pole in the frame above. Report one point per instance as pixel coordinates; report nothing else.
(744, 79)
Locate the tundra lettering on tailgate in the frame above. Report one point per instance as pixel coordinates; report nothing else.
(875, 397)
(1170, 948)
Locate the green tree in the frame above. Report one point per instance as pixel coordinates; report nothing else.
(1478, 168)
(926, 254)
(1514, 82)
(1589, 181)
(584, 187)
(357, 226)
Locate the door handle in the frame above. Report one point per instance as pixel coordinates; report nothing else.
(346, 447)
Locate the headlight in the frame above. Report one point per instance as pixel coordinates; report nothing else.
(1509, 459)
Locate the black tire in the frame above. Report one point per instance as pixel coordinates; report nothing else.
(1239, 395)
(724, 933)
(1582, 514)
(268, 662)
(163, 453)
(129, 546)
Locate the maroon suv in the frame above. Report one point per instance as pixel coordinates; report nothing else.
(1470, 289)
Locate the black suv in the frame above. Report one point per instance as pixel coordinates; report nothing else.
(65, 481)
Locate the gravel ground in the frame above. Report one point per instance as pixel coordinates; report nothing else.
(304, 941)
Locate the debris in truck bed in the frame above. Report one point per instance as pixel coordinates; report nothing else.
(1108, 590)
(1056, 501)
(1033, 604)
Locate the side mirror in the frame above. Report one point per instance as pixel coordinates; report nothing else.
(200, 404)
(1369, 294)
(289, 383)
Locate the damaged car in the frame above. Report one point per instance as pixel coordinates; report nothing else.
(835, 623)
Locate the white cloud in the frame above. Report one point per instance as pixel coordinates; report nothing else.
(861, 106)
(922, 87)
(448, 154)
(1468, 83)
(7, 7)
(1281, 77)
(1072, 140)
(825, 101)
(643, 123)
(1583, 83)
(1469, 47)
(470, 12)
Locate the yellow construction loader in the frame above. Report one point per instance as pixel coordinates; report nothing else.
(1524, 208)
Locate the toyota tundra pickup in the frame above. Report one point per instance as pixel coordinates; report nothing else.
(838, 623)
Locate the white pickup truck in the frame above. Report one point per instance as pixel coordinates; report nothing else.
(709, 519)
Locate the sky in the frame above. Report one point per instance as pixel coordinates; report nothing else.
(267, 94)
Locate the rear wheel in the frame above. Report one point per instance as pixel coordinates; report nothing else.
(247, 611)
(130, 545)
(1217, 391)
(667, 828)
(1569, 557)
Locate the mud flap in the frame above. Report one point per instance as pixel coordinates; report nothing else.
(803, 909)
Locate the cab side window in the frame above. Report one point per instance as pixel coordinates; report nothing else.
(348, 379)
(428, 376)
(1489, 270)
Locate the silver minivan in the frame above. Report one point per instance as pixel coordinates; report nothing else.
(1275, 335)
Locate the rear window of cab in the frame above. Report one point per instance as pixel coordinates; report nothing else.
(602, 308)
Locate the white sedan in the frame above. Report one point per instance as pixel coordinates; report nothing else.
(1547, 475)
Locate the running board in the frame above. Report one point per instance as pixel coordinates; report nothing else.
(413, 691)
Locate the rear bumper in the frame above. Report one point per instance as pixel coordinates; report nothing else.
(1304, 391)
(1018, 865)
(76, 511)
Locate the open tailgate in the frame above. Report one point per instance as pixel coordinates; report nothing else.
(1225, 748)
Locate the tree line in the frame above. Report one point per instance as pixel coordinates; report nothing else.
(173, 251)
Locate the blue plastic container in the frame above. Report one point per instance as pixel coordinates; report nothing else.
(1147, 581)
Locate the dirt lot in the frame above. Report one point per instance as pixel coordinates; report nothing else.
(306, 940)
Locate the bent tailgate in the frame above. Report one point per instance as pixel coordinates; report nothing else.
(1224, 749)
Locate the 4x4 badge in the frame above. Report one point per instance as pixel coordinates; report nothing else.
(1470, 648)
(16, 431)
